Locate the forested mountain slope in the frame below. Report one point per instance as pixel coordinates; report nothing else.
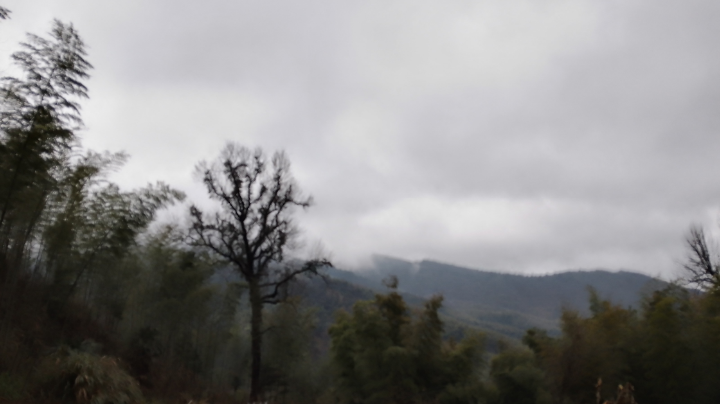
(504, 303)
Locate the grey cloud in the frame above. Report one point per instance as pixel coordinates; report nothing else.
(593, 123)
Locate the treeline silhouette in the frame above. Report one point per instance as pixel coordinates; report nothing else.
(98, 306)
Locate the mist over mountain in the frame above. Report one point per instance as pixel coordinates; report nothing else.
(502, 303)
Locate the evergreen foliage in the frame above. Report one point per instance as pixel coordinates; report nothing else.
(667, 351)
(383, 354)
(38, 116)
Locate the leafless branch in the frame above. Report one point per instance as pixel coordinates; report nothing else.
(700, 264)
(277, 285)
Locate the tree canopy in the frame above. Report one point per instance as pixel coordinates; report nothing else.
(383, 355)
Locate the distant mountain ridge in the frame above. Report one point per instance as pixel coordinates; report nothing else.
(505, 304)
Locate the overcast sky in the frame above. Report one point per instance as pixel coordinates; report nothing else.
(513, 135)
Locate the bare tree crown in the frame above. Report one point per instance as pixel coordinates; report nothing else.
(253, 229)
(701, 265)
(257, 196)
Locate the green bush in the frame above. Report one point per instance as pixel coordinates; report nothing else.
(81, 377)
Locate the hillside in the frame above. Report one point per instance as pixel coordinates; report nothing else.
(507, 304)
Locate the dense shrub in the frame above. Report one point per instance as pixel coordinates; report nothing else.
(81, 377)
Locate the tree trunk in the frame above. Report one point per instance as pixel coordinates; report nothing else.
(256, 339)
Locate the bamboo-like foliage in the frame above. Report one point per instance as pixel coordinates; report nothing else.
(382, 354)
(39, 113)
(668, 350)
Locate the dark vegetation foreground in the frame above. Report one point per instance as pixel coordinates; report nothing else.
(98, 306)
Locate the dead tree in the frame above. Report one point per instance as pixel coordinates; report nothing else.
(253, 230)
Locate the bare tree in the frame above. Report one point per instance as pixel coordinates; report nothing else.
(701, 265)
(253, 230)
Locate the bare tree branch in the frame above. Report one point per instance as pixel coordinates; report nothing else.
(309, 267)
(253, 230)
(702, 267)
